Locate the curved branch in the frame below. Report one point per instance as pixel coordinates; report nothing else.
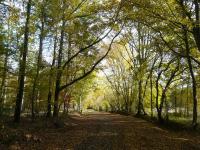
(93, 67)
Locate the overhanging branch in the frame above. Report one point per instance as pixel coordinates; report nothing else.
(93, 67)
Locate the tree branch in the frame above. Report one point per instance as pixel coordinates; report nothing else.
(93, 67)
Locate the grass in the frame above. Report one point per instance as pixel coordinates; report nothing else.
(174, 123)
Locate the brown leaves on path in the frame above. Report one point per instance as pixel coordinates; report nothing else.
(95, 131)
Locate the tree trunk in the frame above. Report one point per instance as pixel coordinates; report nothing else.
(175, 103)
(181, 101)
(50, 79)
(151, 84)
(39, 63)
(166, 110)
(157, 96)
(57, 92)
(59, 73)
(22, 67)
(194, 90)
(164, 91)
(160, 119)
(196, 29)
(3, 82)
(187, 102)
(162, 99)
(64, 108)
(194, 84)
(140, 101)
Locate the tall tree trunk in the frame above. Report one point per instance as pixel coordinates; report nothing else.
(196, 29)
(64, 107)
(164, 91)
(196, 34)
(166, 109)
(181, 101)
(151, 84)
(140, 101)
(22, 67)
(59, 73)
(162, 99)
(39, 63)
(50, 79)
(187, 102)
(175, 102)
(3, 82)
(157, 96)
(4, 73)
(67, 74)
(194, 84)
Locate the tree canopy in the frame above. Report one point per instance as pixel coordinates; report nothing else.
(124, 56)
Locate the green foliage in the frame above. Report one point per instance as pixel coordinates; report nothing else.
(145, 71)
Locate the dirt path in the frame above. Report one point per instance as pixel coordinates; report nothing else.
(104, 131)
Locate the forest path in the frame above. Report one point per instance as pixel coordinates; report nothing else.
(105, 131)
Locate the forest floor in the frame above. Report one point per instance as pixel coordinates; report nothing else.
(95, 131)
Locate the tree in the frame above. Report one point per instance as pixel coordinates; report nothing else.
(22, 67)
(39, 59)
